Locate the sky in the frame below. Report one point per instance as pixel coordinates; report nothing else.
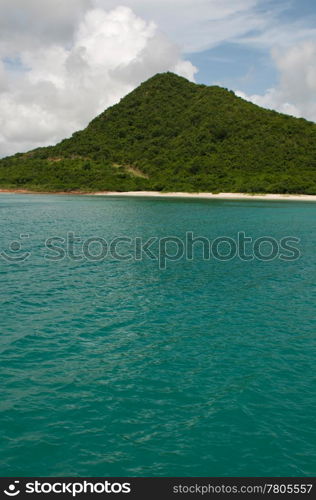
(62, 62)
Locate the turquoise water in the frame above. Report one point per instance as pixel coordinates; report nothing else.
(117, 368)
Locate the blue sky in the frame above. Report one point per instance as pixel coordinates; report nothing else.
(63, 62)
(231, 64)
(250, 67)
(235, 66)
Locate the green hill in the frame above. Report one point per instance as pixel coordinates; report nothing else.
(173, 135)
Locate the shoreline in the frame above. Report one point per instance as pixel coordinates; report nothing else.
(211, 196)
(155, 194)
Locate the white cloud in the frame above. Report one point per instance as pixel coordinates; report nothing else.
(66, 85)
(296, 90)
(64, 61)
(3, 78)
(200, 24)
(277, 34)
(26, 23)
(192, 24)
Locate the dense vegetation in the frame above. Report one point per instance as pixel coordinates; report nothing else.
(173, 135)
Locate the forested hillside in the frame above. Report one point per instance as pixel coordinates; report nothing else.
(173, 135)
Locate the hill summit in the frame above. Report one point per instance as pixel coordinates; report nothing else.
(173, 135)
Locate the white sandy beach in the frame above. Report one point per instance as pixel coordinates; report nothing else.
(221, 196)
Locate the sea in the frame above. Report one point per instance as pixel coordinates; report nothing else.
(157, 337)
